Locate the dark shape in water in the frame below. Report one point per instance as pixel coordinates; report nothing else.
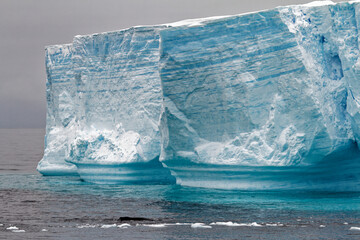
(123, 219)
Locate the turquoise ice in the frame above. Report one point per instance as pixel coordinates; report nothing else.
(264, 100)
(104, 103)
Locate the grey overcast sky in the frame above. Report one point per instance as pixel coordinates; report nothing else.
(27, 26)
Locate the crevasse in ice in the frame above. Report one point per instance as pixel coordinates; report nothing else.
(264, 100)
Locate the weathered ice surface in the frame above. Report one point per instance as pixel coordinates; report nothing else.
(265, 100)
(60, 95)
(109, 114)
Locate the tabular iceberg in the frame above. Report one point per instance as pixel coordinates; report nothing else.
(264, 100)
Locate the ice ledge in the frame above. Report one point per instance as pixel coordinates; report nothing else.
(52, 49)
(50, 169)
(327, 175)
(151, 172)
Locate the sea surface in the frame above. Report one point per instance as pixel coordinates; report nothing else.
(37, 207)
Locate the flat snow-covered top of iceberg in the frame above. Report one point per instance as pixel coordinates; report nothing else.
(200, 21)
(195, 21)
(318, 3)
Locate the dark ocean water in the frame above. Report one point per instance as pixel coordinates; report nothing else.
(67, 208)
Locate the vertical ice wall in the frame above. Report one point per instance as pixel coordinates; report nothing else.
(106, 109)
(260, 100)
(119, 88)
(118, 83)
(249, 92)
(60, 96)
(327, 38)
(346, 21)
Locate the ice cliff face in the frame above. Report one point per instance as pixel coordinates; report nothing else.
(60, 96)
(105, 105)
(261, 100)
(119, 92)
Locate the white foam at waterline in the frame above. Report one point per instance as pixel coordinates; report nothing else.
(193, 225)
(154, 225)
(254, 224)
(44, 230)
(179, 224)
(12, 228)
(274, 224)
(18, 231)
(355, 229)
(232, 224)
(200, 225)
(229, 224)
(124, 225)
(109, 225)
(271, 225)
(86, 226)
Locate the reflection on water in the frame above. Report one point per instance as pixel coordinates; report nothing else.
(67, 208)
